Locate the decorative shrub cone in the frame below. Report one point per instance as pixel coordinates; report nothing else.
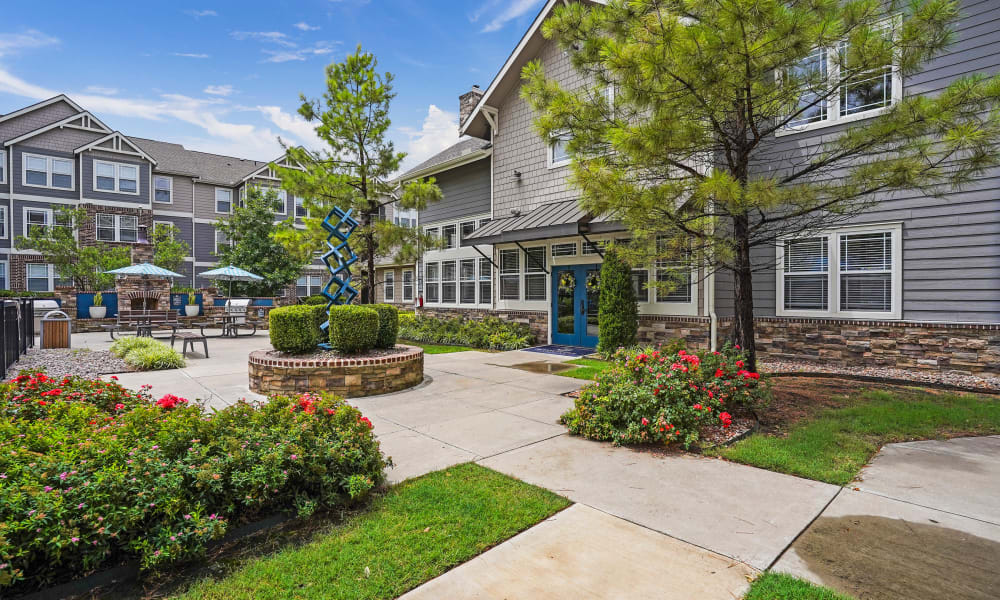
(618, 313)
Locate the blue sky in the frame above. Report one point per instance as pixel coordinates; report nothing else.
(226, 76)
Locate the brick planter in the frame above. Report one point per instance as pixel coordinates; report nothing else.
(347, 377)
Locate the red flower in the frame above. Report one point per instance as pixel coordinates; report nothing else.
(330, 411)
(645, 421)
(739, 364)
(42, 403)
(119, 406)
(170, 401)
(726, 419)
(697, 407)
(366, 422)
(54, 392)
(719, 373)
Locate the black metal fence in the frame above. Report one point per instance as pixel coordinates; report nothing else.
(17, 330)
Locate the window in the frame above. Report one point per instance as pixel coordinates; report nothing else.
(163, 189)
(38, 277)
(510, 277)
(432, 283)
(467, 279)
(863, 95)
(483, 222)
(851, 272)
(389, 286)
(300, 207)
(4, 279)
(223, 200)
(116, 177)
(467, 228)
(281, 204)
(3, 168)
(592, 247)
(485, 281)
(405, 217)
(534, 273)
(679, 282)
(308, 285)
(117, 228)
(568, 249)
(165, 224)
(640, 280)
(558, 151)
(448, 277)
(806, 274)
(448, 233)
(407, 286)
(434, 232)
(220, 240)
(47, 171)
(40, 219)
(3, 224)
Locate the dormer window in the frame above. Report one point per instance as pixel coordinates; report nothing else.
(116, 177)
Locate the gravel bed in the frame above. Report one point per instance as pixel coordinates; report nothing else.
(60, 362)
(326, 354)
(944, 378)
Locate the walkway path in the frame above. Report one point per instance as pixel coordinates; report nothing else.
(665, 525)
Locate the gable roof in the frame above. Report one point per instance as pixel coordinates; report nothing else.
(88, 122)
(209, 168)
(510, 73)
(468, 149)
(118, 143)
(42, 104)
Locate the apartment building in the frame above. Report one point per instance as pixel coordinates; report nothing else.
(914, 282)
(55, 153)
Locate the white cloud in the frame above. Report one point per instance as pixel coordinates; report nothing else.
(201, 13)
(104, 91)
(31, 38)
(514, 10)
(218, 90)
(439, 131)
(189, 55)
(235, 139)
(305, 26)
(270, 37)
(303, 131)
(319, 49)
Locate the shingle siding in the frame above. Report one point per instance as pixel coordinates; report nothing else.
(465, 191)
(63, 139)
(35, 119)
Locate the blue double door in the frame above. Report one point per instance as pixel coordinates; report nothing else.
(576, 290)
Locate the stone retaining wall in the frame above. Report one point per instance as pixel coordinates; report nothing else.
(347, 377)
(537, 321)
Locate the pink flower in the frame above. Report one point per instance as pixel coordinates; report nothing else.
(74, 540)
(645, 421)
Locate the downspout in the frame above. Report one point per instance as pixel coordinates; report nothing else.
(713, 317)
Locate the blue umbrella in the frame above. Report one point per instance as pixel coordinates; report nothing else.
(145, 270)
(230, 273)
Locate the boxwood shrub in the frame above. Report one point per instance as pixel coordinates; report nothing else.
(293, 329)
(388, 325)
(491, 332)
(94, 473)
(146, 354)
(353, 328)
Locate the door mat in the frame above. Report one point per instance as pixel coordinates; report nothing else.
(558, 350)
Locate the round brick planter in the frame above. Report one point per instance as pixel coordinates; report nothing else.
(347, 377)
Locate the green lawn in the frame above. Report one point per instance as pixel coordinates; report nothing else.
(588, 369)
(777, 586)
(833, 445)
(438, 348)
(418, 530)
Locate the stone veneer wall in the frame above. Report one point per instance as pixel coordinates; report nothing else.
(659, 328)
(347, 377)
(537, 321)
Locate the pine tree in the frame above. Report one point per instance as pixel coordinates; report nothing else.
(673, 132)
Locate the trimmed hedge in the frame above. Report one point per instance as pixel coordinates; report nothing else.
(490, 332)
(293, 328)
(353, 329)
(316, 299)
(388, 325)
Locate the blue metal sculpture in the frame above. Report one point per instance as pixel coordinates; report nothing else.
(340, 274)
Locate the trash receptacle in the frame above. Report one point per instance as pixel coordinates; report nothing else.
(41, 308)
(55, 332)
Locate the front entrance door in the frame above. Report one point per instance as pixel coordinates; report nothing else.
(574, 304)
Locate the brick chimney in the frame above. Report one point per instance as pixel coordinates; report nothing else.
(467, 103)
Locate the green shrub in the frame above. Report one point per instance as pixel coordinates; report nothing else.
(353, 328)
(94, 473)
(316, 299)
(319, 316)
(618, 313)
(388, 325)
(292, 329)
(491, 332)
(650, 396)
(147, 354)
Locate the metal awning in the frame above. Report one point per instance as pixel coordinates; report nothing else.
(557, 219)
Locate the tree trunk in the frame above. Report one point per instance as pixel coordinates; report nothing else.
(743, 326)
(368, 295)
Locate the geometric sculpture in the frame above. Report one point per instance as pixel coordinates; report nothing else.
(338, 290)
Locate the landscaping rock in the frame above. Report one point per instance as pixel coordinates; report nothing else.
(62, 362)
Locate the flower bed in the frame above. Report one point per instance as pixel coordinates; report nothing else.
(653, 396)
(92, 474)
(489, 333)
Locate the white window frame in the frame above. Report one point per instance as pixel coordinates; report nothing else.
(389, 286)
(535, 271)
(228, 191)
(283, 198)
(453, 282)
(3, 166)
(4, 222)
(117, 168)
(472, 280)
(309, 284)
(403, 284)
(48, 172)
(428, 282)
(5, 264)
(299, 202)
(50, 275)
(50, 218)
(833, 116)
(515, 275)
(171, 223)
(454, 237)
(170, 189)
(550, 151)
(833, 311)
(216, 234)
(117, 227)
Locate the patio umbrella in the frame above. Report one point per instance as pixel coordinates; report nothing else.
(230, 273)
(145, 270)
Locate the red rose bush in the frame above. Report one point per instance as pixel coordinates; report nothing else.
(658, 396)
(92, 473)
